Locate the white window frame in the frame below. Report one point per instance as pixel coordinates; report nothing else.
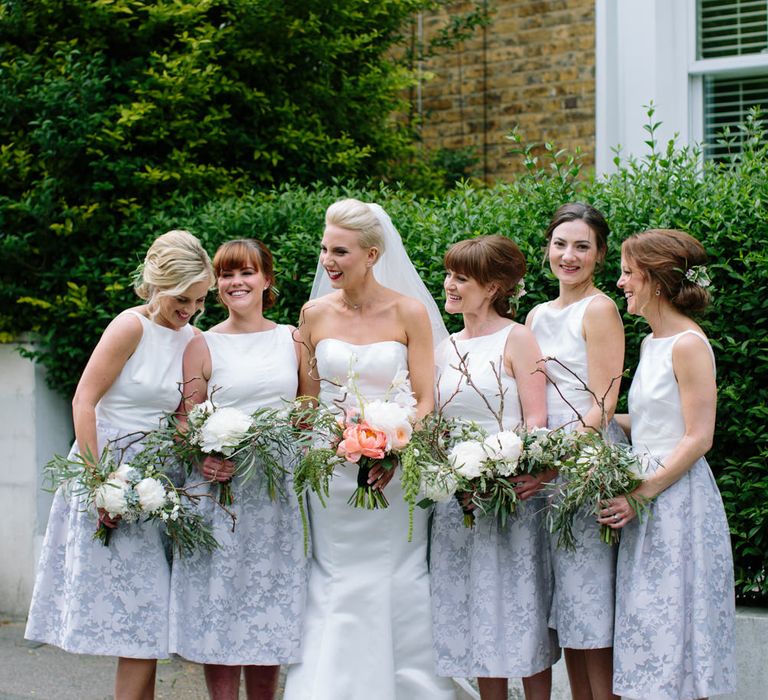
(646, 51)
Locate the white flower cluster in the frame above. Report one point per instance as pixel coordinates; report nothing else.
(496, 455)
(129, 494)
(218, 430)
(438, 482)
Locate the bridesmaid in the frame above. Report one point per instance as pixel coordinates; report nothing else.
(674, 584)
(583, 330)
(113, 600)
(491, 588)
(241, 606)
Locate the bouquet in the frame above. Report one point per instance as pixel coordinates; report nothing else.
(482, 467)
(265, 439)
(367, 433)
(135, 490)
(598, 471)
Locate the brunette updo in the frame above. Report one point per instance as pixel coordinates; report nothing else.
(490, 260)
(357, 216)
(174, 262)
(248, 252)
(577, 211)
(664, 256)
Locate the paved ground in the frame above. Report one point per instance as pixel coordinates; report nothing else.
(31, 670)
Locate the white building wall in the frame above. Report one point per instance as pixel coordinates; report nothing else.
(643, 48)
(35, 423)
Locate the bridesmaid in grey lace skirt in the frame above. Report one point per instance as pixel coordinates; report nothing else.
(674, 636)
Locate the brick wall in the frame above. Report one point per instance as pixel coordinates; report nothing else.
(533, 67)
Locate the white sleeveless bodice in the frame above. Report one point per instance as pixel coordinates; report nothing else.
(484, 359)
(560, 334)
(252, 370)
(654, 398)
(149, 385)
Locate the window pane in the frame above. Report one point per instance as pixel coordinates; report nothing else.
(726, 103)
(732, 27)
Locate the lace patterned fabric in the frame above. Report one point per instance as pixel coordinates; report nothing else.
(491, 588)
(675, 636)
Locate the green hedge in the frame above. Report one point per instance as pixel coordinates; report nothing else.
(723, 205)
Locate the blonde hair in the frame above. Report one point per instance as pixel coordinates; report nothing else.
(357, 216)
(174, 262)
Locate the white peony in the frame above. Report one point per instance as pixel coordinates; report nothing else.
(224, 430)
(151, 493)
(392, 419)
(505, 445)
(111, 497)
(467, 458)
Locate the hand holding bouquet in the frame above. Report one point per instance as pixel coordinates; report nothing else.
(598, 471)
(261, 441)
(130, 492)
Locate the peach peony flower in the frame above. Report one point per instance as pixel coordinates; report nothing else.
(361, 440)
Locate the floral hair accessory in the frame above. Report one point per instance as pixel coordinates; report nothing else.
(698, 275)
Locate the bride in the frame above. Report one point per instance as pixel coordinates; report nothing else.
(367, 630)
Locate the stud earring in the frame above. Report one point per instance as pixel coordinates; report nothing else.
(658, 292)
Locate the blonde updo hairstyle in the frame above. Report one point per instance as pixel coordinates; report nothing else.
(354, 215)
(174, 262)
(491, 259)
(663, 256)
(247, 252)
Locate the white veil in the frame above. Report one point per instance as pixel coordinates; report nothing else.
(395, 270)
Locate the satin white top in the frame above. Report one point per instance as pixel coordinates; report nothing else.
(654, 398)
(560, 334)
(252, 370)
(485, 362)
(149, 385)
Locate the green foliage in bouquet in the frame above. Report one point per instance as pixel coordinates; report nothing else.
(134, 488)
(599, 470)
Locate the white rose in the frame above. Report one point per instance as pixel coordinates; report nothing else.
(151, 494)
(111, 497)
(392, 419)
(224, 430)
(467, 458)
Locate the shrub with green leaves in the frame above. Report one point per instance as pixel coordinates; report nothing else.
(113, 109)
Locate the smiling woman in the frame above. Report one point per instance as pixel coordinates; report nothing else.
(228, 610)
(367, 630)
(583, 330)
(113, 600)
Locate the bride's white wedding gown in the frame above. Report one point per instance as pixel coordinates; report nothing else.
(367, 630)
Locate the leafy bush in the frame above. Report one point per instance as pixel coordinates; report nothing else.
(111, 108)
